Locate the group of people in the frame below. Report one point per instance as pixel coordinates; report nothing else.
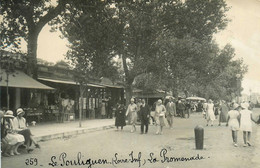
(237, 117)
(162, 116)
(15, 133)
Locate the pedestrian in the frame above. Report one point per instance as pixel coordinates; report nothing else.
(10, 139)
(246, 124)
(139, 103)
(20, 127)
(170, 112)
(233, 122)
(120, 116)
(199, 107)
(188, 108)
(210, 112)
(103, 109)
(223, 112)
(132, 111)
(144, 116)
(181, 108)
(216, 110)
(205, 104)
(160, 111)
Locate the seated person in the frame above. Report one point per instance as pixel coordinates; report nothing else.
(20, 128)
(10, 140)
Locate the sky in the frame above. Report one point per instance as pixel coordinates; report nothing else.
(243, 33)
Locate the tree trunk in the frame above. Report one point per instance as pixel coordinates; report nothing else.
(32, 54)
(129, 93)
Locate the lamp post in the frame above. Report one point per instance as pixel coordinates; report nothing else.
(238, 86)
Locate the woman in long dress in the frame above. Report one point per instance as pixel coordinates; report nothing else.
(210, 112)
(223, 113)
(120, 116)
(246, 124)
(160, 111)
(233, 123)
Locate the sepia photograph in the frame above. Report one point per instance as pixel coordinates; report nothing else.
(130, 83)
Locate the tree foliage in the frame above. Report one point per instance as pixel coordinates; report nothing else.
(24, 19)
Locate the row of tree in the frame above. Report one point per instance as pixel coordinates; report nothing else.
(166, 44)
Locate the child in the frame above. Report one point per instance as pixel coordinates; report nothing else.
(233, 123)
(246, 124)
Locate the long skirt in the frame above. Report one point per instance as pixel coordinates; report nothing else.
(223, 117)
(27, 136)
(120, 120)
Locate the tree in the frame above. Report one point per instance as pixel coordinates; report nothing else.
(158, 37)
(25, 19)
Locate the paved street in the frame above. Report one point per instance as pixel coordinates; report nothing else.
(114, 148)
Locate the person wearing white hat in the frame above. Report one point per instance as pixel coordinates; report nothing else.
(160, 111)
(10, 139)
(132, 111)
(233, 122)
(210, 112)
(21, 128)
(246, 124)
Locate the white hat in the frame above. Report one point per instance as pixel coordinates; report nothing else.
(19, 111)
(132, 100)
(9, 114)
(244, 106)
(235, 106)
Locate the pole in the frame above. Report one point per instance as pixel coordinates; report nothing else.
(80, 104)
(7, 90)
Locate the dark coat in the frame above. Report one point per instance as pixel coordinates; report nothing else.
(145, 113)
(120, 116)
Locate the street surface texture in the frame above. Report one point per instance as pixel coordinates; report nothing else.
(115, 148)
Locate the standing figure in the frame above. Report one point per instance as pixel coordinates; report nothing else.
(21, 128)
(233, 123)
(144, 116)
(223, 112)
(103, 109)
(181, 107)
(188, 108)
(170, 112)
(139, 104)
(217, 109)
(160, 111)
(200, 107)
(246, 124)
(120, 116)
(132, 111)
(210, 112)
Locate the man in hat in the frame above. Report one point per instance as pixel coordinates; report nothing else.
(132, 111)
(170, 112)
(144, 116)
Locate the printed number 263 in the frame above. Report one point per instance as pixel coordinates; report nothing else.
(31, 161)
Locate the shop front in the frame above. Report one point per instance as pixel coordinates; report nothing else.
(20, 90)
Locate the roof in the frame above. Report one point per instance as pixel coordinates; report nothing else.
(68, 82)
(19, 79)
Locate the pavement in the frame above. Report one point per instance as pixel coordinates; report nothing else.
(48, 131)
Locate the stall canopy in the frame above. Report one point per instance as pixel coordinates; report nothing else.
(19, 79)
(68, 82)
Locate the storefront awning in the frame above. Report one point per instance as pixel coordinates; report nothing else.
(19, 79)
(68, 82)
